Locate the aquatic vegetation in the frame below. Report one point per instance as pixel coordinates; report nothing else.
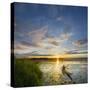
(27, 73)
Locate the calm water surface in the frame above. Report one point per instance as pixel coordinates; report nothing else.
(52, 72)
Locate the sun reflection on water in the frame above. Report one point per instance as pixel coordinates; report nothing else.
(57, 65)
(56, 71)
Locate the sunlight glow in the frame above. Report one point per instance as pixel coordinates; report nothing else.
(56, 72)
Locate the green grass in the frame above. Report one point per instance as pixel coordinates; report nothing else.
(27, 73)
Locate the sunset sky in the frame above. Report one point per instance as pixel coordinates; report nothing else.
(50, 30)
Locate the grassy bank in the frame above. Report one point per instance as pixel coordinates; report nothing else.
(27, 73)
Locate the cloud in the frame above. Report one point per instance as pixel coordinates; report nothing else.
(30, 40)
(37, 36)
(66, 36)
(80, 43)
(31, 53)
(76, 52)
(24, 47)
(49, 48)
(27, 43)
(71, 52)
(66, 32)
(59, 18)
(54, 43)
(60, 39)
(20, 46)
(52, 40)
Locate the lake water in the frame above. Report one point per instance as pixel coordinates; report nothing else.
(52, 72)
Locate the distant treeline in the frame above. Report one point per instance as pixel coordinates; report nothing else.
(54, 59)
